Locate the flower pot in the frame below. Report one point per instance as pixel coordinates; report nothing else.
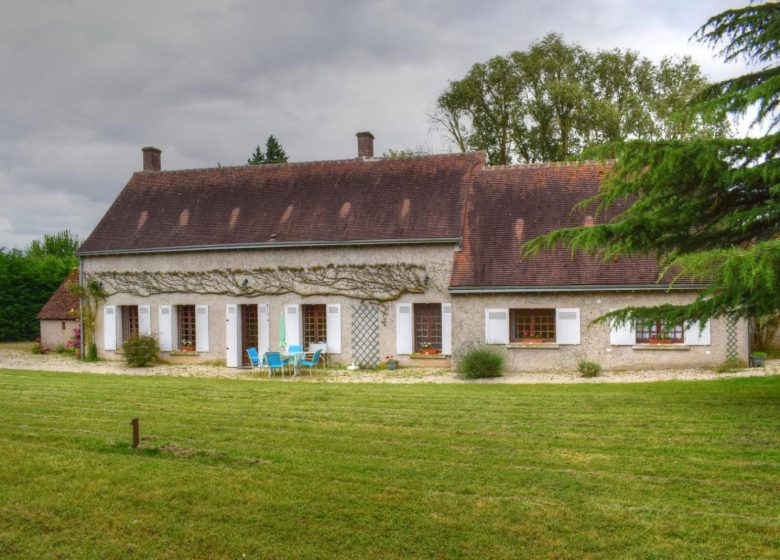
(531, 340)
(392, 364)
(187, 348)
(757, 361)
(429, 351)
(661, 341)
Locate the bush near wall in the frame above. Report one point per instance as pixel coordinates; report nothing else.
(26, 284)
(140, 351)
(479, 361)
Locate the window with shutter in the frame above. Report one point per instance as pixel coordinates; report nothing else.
(186, 327)
(532, 325)
(129, 321)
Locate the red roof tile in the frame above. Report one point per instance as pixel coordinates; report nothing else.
(62, 304)
(528, 201)
(344, 201)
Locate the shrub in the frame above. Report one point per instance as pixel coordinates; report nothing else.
(60, 349)
(39, 348)
(588, 369)
(140, 350)
(480, 361)
(731, 364)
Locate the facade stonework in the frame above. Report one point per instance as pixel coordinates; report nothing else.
(55, 331)
(468, 326)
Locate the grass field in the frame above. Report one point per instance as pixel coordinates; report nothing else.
(291, 470)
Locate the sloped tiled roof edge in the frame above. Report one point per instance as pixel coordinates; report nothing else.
(513, 204)
(62, 304)
(410, 200)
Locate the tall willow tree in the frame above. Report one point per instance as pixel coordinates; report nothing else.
(556, 99)
(708, 208)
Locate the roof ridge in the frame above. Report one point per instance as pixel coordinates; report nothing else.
(540, 164)
(318, 162)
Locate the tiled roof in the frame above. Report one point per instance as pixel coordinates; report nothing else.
(343, 201)
(513, 204)
(62, 304)
(493, 210)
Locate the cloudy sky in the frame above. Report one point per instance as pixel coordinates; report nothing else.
(86, 84)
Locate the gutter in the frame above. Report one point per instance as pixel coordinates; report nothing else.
(274, 245)
(575, 288)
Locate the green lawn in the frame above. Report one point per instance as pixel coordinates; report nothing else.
(305, 470)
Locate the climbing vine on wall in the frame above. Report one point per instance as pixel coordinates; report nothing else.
(370, 282)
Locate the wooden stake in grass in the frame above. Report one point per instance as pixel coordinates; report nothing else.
(136, 438)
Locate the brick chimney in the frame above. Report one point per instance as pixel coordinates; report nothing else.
(365, 144)
(151, 158)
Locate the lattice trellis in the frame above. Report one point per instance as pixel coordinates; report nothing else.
(731, 338)
(365, 335)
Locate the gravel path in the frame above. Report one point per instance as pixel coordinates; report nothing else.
(18, 359)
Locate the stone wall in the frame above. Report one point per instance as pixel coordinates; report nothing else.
(54, 332)
(468, 325)
(468, 311)
(437, 260)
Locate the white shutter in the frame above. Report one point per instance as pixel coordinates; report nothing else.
(292, 324)
(263, 329)
(497, 326)
(118, 331)
(232, 345)
(165, 327)
(695, 336)
(403, 329)
(622, 334)
(446, 329)
(334, 328)
(109, 327)
(567, 326)
(202, 328)
(144, 320)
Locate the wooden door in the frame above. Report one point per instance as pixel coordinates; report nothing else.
(249, 332)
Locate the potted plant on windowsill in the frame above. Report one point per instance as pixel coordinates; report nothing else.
(427, 348)
(659, 340)
(531, 337)
(391, 362)
(187, 346)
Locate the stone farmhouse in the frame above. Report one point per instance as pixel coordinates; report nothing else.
(369, 257)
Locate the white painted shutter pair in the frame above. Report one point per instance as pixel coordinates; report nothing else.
(567, 326)
(293, 323)
(624, 334)
(404, 329)
(167, 331)
(112, 319)
(233, 330)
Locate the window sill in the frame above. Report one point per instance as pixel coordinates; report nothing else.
(533, 345)
(184, 353)
(420, 356)
(663, 347)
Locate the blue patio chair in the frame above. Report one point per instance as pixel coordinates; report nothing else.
(313, 362)
(294, 349)
(275, 361)
(254, 357)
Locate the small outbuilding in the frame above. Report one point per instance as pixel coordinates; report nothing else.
(60, 316)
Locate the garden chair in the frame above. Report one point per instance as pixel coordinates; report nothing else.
(254, 357)
(294, 349)
(275, 361)
(313, 362)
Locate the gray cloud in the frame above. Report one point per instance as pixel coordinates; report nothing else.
(87, 83)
